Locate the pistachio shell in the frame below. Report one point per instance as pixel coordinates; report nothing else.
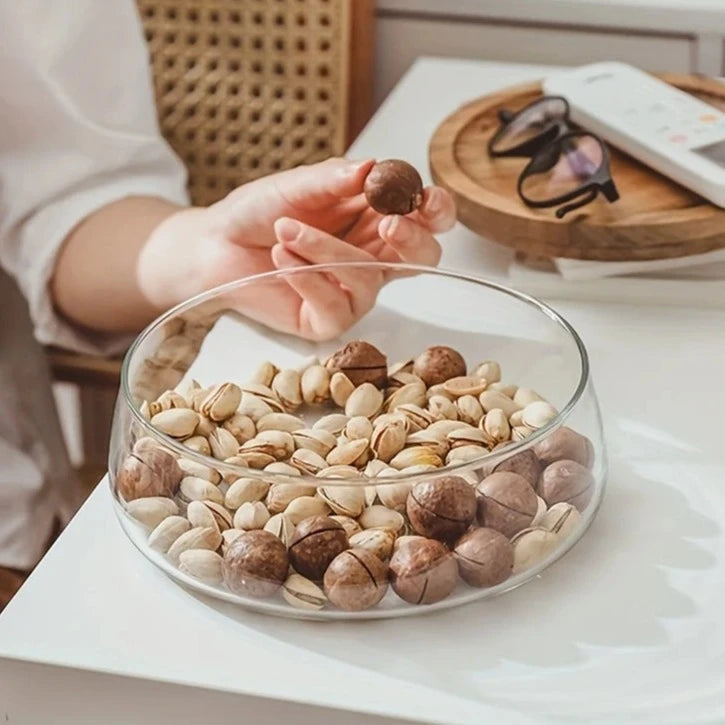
(251, 515)
(371, 495)
(199, 489)
(413, 393)
(333, 423)
(280, 421)
(350, 525)
(561, 519)
(520, 432)
(492, 399)
(282, 494)
(366, 400)
(315, 385)
(255, 458)
(287, 387)
(282, 527)
(467, 436)
(277, 443)
(202, 564)
(418, 418)
(152, 510)
(304, 507)
(399, 379)
(222, 401)
(318, 441)
(254, 407)
(464, 385)
(377, 541)
(441, 428)
(415, 456)
(282, 469)
(381, 517)
(264, 374)
(375, 467)
(176, 422)
(344, 500)
(538, 414)
(437, 444)
(507, 389)
(438, 390)
(443, 407)
(199, 470)
(388, 439)
(198, 444)
(302, 593)
(167, 532)
(524, 396)
(394, 495)
(495, 427)
(228, 538)
(307, 461)
(341, 387)
(198, 538)
(209, 514)
(223, 444)
(338, 472)
(531, 546)
(402, 366)
(205, 427)
(540, 511)
(265, 394)
(357, 428)
(244, 490)
(171, 399)
(241, 427)
(347, 453)
(463, 454)
(489, 370)
(469, 409)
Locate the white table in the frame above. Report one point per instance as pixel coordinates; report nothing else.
(628, 622)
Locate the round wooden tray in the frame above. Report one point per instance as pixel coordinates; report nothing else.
(655, 217)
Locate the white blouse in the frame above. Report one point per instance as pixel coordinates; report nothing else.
(78, 130)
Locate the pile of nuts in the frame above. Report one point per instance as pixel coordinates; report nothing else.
(345, 545)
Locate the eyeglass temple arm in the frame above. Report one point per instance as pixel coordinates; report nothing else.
(581, 201)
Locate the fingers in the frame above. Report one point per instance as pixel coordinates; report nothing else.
(317, 247)
(323, 184)
(412, 242)
(438, 211)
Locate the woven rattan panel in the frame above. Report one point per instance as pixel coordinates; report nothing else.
(248, 87)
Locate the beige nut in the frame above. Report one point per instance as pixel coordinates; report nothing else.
(495, 427)
(411, 393)
(151, 510)
(315, 385)
(467, 436)
(251, 515)
(492, 399)
(443, 407)
(223, 444)
(561, 519)
(357, 428)
(435, 443)
(388, 439)
(244, 490)
(221, 402)
(531, 546)
(282, 494)
(249, 459)
(507, 389)
(524, 396)
(441, 428)
(283, 469)
(205, 427)
(418, 418)
(176, 422)
(308, 462)
(280, 422)
(469, 409)
(254, 407)
(464, 454)
(199, 470)
(344, 500)
(338, 472)
(416, 456)
(199, 489)
(241, 427)
(366, 400)
(464, 385)
(377, 541)
(264, 374)
(202, 564)
(489, 370)
(304, 507)
(320, 442)
(350, 525)
(228, 538)
(347, 453)
(301, 593)
(333, 423)
(381, 517)
(394, 495)
(341, 388)
(537, 414)
(282, 527)
(209, 514)
(287, 387)
(198, 444)
(402, 366)
(198, 538)
(167, 532)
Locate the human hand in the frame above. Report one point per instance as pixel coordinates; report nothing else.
(308, 215)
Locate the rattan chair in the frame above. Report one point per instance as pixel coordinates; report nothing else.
(243, 88)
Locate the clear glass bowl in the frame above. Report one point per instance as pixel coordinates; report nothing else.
(207, 340)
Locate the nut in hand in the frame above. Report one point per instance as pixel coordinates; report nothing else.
(393, 187)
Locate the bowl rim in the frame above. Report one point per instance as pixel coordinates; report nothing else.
(490, 458)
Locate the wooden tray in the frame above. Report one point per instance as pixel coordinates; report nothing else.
(655, 217)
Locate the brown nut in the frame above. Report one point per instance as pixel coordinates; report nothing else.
(566, 481)
(506, 502)
(526, 464)
(423, 571)
(485, 557)
(438, 364)
(361, 362)
(255, 564)
(393, 187)
(442, 508)
(355, 580)
(148, 471)
(316, 542)
(565, 444)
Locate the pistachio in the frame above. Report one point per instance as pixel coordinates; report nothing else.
(371, 495)
(277, 443)
(265, 394)
(300, 592)
(253, 407)
(388, 439)
(489, 370)
(176, 422)
(377, 541)
(347, 453)
(441, 428)
(152, 510)
(287, 387)
(241, 427)
(418, 455)
(491, 399)
(464, 454)
(222, 401)
(436, 443)
(208, 514)
(538, 414)
(439, 390)
(443, 407)
(344, 500)
(506, 388)
(280, 421)
(516, 419)
(393, 495)
(255, 458)
(351, 526)
(264, 374)
(199, 489)
(315, 385)
(283, 469)
(338, 472)
(381, 517)
(531, 546)
(495, 427)
(197, 397)
(524, 396)
(145, 410)
(415, 470)
(414, 393)
(520, 432)
(201, 564)
(198, 444)
(228, 537)
(304, 507)
(199, 470)
(319, 441)
(400, 379)
(375, 467)
(282, 494)
(418, 418)
(170, 399)
(223, 444)
(167, 532)
(540, 511)
(468, 436)
(469, 409)
(402, 366)
(307, 461)
(197, 538)
(334, 423)
(251, 515)
(187, 388)
(341, 389)
(357, 428)
(464, 385)
(365, 400)
(282, 527)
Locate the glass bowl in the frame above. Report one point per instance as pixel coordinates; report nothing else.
(222, 484)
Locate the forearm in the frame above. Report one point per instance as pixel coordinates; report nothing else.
(95, 284)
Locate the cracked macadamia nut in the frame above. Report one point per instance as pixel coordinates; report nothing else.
(361, 362)
(255, 564)
(565, 444)
(393, 187)
(568, 482)
(442, 508)
(148, 471)
(316, 542)
(355, 580)
(506, 502)
(438, 364)
(423, 571)
(526, 464)
(485, 557)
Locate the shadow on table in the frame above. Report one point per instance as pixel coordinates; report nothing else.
(644, 526)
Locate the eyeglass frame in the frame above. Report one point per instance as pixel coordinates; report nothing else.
(559, 131)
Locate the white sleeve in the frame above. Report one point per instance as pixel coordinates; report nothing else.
(78, 130)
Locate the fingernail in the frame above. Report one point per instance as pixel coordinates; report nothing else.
(287, 229)
(354, 165)
(389, 225)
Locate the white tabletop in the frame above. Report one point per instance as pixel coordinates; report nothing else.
(626, 628)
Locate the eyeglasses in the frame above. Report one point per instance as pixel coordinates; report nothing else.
(565, 165)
